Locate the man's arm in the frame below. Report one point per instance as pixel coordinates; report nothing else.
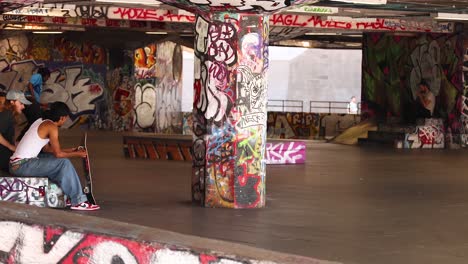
(31, 90)
(54, 145)
(7, 144)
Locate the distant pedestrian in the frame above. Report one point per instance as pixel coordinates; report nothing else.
(352, 106)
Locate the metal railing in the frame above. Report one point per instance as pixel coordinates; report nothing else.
(330, 107)
(285, 105)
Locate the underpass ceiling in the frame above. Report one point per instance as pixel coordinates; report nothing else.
(286, 26)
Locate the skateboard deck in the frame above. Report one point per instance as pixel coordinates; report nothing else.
(88, 188)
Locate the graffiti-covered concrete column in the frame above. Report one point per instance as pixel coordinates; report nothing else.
(229, 110)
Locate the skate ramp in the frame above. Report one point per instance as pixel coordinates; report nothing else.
(350, 136)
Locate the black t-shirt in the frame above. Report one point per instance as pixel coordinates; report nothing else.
(7, 129)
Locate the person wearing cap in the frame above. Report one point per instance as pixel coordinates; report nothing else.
(39, 154)
(14, 104)
(33, 112)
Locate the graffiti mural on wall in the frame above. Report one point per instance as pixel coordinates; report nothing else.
(80, 86)
(145, 60)
(16, 75)
(293, 125)
(14, 48)
(86, 52)
(419, 77)
(71, 87)
(229, 116)
(429, 135)
(24, 243)
(158, 100)
(121, 85)
(145, 106)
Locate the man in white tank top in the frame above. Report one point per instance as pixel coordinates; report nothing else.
(53, 162)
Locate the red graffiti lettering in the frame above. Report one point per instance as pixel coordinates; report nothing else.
(112, 23)
(35, 19)
(89, 22)
(178, 18)
(137, 24)
(59, 20)
(287, 20)
(137, 13)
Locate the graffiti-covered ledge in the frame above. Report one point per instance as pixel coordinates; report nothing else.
(32, 235)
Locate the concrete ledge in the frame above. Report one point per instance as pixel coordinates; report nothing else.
(41, 235)
(285, 152)
(178, 147)
(38, 191)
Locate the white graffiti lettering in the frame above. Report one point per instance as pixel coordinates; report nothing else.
(78, 93)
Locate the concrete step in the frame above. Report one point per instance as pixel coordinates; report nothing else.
(375, 143)
(385, 136)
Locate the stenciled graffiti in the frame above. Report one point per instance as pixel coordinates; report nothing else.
(24, 243)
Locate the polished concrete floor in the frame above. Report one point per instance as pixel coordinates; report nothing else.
(346, 204)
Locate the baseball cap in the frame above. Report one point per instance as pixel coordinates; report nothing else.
(17, 96)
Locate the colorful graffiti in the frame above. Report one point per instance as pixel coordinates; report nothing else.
(14, 48)
(293, 152)
(158, 103)
(73, 89)
(25, 243)
(145, 60)
(419, 77)
(121, 84)
(430, 135)
(229, 116)
(80, 86)
(33, 191)
(86, 52)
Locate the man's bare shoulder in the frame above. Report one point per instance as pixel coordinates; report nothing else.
(48, 125)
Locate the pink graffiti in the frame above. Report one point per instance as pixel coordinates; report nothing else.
(285, 153)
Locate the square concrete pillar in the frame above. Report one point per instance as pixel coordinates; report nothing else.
(229, 110)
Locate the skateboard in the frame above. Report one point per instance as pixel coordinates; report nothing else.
(88, 189)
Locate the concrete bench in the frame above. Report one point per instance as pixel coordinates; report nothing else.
(287, 152)
(179, 148)
(38, 191)
(157, 148)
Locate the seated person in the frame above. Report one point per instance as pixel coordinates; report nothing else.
(12, 104)
(44, 135)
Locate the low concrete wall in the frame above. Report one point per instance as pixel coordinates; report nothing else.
(178, 147)
(38, 235)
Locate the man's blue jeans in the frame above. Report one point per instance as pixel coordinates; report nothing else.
(58, 170)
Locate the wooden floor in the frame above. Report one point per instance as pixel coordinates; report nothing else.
(346, 204)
